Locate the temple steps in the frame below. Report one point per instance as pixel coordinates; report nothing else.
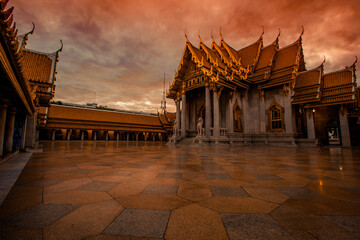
(186, 141)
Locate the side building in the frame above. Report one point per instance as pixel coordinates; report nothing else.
(21, 94)
(262, 94)
(66, 121)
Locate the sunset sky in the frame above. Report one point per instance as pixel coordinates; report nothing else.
(119, 50)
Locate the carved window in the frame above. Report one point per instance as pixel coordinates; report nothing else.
(276, 117)
(237, 118)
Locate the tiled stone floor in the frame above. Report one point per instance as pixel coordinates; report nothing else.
(152, 191)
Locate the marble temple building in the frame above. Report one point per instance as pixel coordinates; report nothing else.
(264, 95)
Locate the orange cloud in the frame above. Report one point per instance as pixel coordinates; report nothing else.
(120, 49)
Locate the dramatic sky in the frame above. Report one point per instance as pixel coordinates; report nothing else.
(117, 51)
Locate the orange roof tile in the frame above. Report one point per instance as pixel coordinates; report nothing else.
(248, 54)
(336, 79)
(308, 78)
(266, 56)
(36, 66)
(286, 57)
(95, 115)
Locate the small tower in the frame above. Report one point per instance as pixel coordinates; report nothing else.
(163, 102)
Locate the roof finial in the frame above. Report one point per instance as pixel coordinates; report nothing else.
(212, 37)
(33, 29)
(199, 36)
(25, 38)
(324, 59)
(263, 30)
(279, 33)
(187, 40)
(355, 60)
(302, 31)
(221, 35)
(60, 50)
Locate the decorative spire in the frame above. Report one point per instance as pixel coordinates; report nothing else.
(355, 60)
(25, 38)
(302, 32)
(262, 32)
(3, 4)
(324, 60)
(60, 49)
(187, 40)
(221, 35)
(199, 36)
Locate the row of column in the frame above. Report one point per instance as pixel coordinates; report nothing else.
(181, 114)
(7, 129)
(109, 135)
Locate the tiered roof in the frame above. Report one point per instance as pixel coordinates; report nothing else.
(318, 89)
(13, 57)
(223, 66)
(62, 116)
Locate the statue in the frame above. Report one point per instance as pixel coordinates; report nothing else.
(199, 128)
(175, 129)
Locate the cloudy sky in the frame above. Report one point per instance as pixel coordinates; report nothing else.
(117, 51)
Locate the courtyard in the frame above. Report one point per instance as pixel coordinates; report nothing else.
(149, 190)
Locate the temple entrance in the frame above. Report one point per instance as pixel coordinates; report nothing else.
(301, 129)
(237, 118)
(333, 133)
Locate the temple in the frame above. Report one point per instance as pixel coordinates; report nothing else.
(28, 113)
(262, 94)
(27, 84)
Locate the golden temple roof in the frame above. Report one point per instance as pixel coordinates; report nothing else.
(36, 66)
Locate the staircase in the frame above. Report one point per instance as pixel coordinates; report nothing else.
(186, 141)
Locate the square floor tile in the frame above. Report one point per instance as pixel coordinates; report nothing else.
(175, 167)
(253, 226)
(160, 189)
(267, 177)
(349, 223)
(225, 191)
(39, 216)
(98, 186)
(217, 176)
(211, 167)
(139, 223)
(138, 166)
(298, 192)
(169, 175)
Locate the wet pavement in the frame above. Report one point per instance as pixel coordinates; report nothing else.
(146, 190)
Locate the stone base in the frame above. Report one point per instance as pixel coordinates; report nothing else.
(201, 139)
(174, 139)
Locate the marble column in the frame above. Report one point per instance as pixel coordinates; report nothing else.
(183, 116)
(262, 112)
(3, 109)
(207, 112)
(153, 136)
(117, 136)
(344, 128)
(23, 133)
(31, 131)
(9, 132)
(127, 137)
(310, 124)
(177, 116)
(106, 136)
(68, 135)
(53, 134)
(95, 135)
(82, 135)
(230, 117)
(216, 115)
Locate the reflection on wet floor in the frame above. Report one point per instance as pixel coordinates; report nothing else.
(100, 190)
